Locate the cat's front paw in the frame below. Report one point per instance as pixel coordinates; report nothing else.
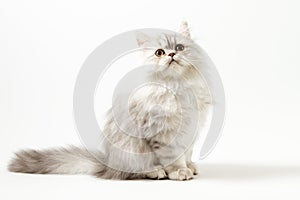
(193, 166)
(157, 174)
(181, 174)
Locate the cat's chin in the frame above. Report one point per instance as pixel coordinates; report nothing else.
(173, 64)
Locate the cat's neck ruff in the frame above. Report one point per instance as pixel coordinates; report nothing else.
(176, 85)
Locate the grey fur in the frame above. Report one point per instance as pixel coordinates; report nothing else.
(65, 161)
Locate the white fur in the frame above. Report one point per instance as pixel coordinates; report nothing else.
(160, 138)
(164, 114)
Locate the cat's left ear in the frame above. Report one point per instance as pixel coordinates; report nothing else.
(184, 29)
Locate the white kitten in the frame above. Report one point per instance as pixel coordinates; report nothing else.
(161, 140)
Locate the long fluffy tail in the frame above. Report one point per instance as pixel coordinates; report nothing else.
(72, 160)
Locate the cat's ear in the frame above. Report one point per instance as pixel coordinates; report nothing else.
(142, 38)
(184, 29)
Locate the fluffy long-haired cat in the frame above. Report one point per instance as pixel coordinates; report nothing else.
(163, 116)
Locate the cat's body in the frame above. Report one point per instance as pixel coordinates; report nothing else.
(161, 139)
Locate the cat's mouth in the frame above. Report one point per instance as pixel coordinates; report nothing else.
(172, 61)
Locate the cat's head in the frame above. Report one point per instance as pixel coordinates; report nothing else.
(172, 54)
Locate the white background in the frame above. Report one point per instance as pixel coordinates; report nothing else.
(255, 45)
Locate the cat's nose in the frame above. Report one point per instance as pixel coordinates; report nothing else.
(172, 54)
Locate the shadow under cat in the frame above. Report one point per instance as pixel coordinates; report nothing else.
(238, 172)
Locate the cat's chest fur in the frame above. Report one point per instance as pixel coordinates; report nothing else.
(163, 101)
(159, 109)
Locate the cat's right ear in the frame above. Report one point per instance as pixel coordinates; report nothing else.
(142, 38)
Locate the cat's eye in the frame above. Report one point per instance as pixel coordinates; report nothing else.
(159, 52)
(179, 47)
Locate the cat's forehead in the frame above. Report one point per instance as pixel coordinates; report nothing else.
(169, 41)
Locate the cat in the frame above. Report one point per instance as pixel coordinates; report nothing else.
(163, 114)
